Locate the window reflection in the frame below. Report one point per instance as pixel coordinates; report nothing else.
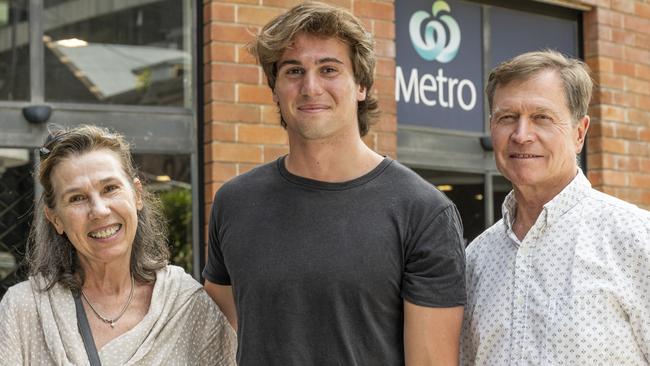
(16, 203)
(169, 176)
(14, 50)
(117, 52)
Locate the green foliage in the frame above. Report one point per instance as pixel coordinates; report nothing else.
(177, 206)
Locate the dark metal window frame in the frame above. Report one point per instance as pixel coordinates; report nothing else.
(149, 129)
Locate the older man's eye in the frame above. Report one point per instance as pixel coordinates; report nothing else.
(506, 119)
(110, 188)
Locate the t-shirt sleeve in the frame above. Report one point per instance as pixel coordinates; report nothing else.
(215, 269)
(434, 266)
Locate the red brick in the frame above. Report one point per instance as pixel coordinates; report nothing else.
(383, 29)
(642, 102)
(623, 37)
(245, 168)
(215, 11)
(637, 55)
(627, 132)
(231, 112)
(385, 86)
(273, 152)
(644, 165)
(642, 41)
(609, 80)
(220, 172)
(236, 152)
(625, 6)
(387, 103)
(385, 67)
(230, 33)
(261, 134)
(235, 73)
(370, 139)
(241, 1)
(270, 115)
(610, 49)
(623, 68)
(385, 48)
(614, 178)
(613, 145)
(644, 135)
(386, 142)
(386, 123)
(642, 72)
(642, 10)
(219, 51)
(285, 4)
(612, 113)
(639, 149)
(640, 180)
(374, 10)
(210, 190)
(637, 86)
(638, 116)
(595, 177)
(221, 132)
(626, 163)
(257, 15)
(636, 24)
(260, 94)
(219, 91)
(245, 57)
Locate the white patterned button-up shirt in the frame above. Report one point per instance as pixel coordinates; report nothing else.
(575, 291)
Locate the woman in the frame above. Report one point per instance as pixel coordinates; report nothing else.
(100, 289)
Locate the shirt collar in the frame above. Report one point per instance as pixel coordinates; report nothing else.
(553, 209)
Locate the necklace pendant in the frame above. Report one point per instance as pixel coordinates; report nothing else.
(112, 324)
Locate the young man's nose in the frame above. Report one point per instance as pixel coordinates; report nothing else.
(311, 84)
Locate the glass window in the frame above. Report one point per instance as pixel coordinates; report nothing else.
(169, 176)
(118, 52)
(500, 189)
(16, 202)
(467, 193)
(14, 50)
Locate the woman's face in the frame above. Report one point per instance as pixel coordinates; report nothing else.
(96, 206)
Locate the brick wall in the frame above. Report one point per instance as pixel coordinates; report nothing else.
(242, 126)
(617, 48)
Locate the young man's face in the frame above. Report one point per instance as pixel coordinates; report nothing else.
(535, 139)
(315, 89)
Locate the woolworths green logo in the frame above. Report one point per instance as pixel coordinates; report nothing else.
(441, 34)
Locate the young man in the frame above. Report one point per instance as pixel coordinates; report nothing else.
(333, 254)
(563, 278)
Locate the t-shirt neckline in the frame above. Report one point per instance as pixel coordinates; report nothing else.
(333, 186)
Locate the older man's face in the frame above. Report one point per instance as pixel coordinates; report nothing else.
(535, 140)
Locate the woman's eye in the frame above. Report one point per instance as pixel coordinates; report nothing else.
(76, 198)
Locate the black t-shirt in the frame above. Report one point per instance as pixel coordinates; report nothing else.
(320, 270)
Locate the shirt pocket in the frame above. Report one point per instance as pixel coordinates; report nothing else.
(586, 327)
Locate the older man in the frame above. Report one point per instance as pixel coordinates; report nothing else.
(564, 277)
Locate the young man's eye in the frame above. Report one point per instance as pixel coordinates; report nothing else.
(294, 71)
(328, 70)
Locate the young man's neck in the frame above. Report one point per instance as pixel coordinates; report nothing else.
(327, 161)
